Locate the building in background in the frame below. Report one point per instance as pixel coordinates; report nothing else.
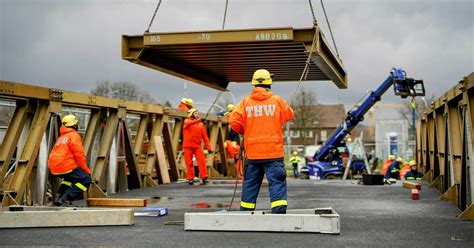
(329, 116)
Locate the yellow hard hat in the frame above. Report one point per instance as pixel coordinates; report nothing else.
(412, 162)
(69, 120)
(230, 107)
(391, 157)
(191, 112)
(184, 100)
(189, 101)
(400, 159)
(262, 77)
(295, 153)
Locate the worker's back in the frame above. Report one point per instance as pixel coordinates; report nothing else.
(260, 117)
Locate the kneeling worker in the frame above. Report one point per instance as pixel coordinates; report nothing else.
(413, 174)
(260, 118)
(67, 160)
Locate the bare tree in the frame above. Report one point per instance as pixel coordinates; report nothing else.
(167, 103)
(305, 114)
(122, 90)
(406, 110)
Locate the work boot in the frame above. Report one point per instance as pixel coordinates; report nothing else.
(64, 201)
(190, 182)
(56, 200)
(204, 181)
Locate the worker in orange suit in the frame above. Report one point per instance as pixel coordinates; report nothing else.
(194, 132)
(232, 151)
(387, 164)
(404, 170)
(186, 104)
(67, 160)
(260, 117)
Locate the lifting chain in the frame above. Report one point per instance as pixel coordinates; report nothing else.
(153, 17)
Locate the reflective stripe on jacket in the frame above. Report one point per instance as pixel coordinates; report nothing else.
(67, 153)
(413, 176)
(260, 117)
(194, 132)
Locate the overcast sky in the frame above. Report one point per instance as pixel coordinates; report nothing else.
(72, 44)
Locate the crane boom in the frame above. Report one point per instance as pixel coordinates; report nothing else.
(403, 87)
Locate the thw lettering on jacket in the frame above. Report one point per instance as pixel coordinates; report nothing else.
(261, 110)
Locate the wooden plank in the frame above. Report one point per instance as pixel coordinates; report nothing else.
(117, 202)
(410, 185)
(61, 217)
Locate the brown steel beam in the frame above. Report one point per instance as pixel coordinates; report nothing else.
(12, 135)
(28, 155)
(182, 54)
(151, 156)
(100, 167)
(170, 149)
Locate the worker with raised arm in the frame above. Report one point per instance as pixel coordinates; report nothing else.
(260, 117)
(294, 161)
(413, 174)
(233, 136)
(67, 160)
(194, 133)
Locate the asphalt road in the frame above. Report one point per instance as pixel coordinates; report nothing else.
(371, 216)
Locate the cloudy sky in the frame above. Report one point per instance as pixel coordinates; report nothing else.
(72, 44)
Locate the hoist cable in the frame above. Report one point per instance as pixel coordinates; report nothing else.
(153, 17)
(312, 12)
(305, 72)
(330, 29)
(225, 14)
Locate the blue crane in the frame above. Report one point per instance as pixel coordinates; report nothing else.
(327, 160)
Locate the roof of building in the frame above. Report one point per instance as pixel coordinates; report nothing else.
(330, 115)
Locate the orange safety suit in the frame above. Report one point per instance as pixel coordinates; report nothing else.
(404, 170)
(194, 132)
(183, 106)
(385, 166)
(255, 118)
(68, 153)
(232, 152)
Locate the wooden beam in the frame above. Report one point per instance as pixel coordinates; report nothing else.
(410, 185)
(116, 202)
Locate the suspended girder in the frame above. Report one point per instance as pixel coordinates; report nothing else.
(216, 58)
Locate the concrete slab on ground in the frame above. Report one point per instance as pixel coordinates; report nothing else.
(370, 216)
